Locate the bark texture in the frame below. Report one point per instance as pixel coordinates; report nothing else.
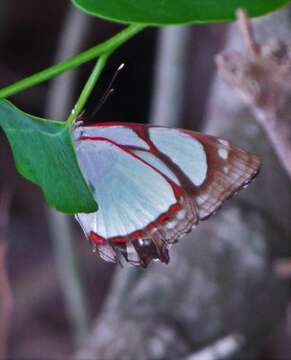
(220, 283)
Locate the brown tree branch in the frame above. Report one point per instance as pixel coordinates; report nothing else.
(263, 79)
(248, 33)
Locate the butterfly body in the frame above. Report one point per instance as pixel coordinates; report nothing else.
(153, 184)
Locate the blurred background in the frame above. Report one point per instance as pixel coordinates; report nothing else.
(220, 297)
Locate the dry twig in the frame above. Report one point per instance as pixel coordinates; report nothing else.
(263, 78)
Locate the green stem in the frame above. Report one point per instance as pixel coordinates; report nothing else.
(88, 89)
(104, 48)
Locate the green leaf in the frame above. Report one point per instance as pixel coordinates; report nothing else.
(166, 12)
(44, 154)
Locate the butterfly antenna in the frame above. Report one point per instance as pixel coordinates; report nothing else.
(109, 90)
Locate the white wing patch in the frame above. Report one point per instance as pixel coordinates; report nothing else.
(183, 150)
(223, 153)
(158, 164)
(130, 194)
(119, 134)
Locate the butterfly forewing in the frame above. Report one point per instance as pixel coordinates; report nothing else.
(153, 184)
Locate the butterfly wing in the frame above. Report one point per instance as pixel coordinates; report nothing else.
(133, 198)
(154, 184)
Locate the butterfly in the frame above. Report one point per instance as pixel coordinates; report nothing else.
(153, 185)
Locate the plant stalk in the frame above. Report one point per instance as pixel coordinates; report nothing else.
(88, 88)
(104, 48)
